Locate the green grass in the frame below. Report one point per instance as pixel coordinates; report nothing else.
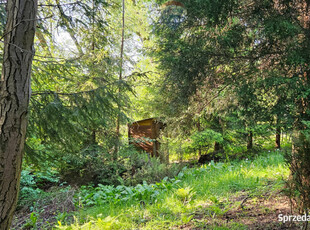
(206, 190)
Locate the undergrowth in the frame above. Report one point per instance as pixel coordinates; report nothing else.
(175, 201)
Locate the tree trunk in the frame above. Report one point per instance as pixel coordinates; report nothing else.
(299, 167)
(278, 138)
(14, 99)
(199, 129)
(300, 158)
(250, 141)
(120, 78)
(217, 147)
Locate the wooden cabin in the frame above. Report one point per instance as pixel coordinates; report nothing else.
(144, 135)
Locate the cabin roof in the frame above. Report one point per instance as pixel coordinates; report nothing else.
(147, 119)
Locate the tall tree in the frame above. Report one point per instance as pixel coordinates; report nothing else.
(120, 78)
(15, 93)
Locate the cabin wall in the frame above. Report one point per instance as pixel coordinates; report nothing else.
(138, 131)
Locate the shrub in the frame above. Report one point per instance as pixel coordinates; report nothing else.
(28, 186)
(185, 194)
(152, 172)
(93, 165)
(33, 183)
(205, 139)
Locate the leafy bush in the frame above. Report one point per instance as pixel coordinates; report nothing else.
(94, 165)
(152, 171)
(28, 186)
(90, 196)
(185, 194)
(33, 183)
(206, 139)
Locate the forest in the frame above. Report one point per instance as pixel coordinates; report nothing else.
(154, 114)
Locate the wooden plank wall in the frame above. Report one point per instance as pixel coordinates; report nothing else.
(140, 130)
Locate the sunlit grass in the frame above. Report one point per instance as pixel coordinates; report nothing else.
(205, 186)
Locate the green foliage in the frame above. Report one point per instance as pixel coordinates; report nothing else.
(33, 183)
(152, 171)
(76, 89)
(280, 27)
(205, 139)
(96, 224)
(75, 85)
(93, 164)
(28, 186)
(109, 194)
(32, 221)
(248, 70)
(185, 194)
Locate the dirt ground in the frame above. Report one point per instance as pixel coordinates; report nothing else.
(250, 213)
(45, 213)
